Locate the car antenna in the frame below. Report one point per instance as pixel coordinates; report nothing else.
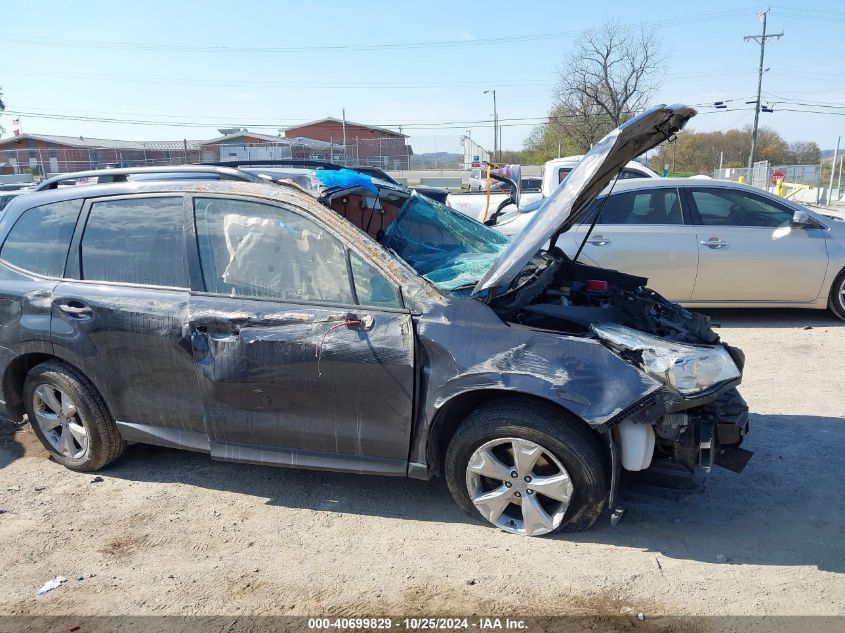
(596, 218)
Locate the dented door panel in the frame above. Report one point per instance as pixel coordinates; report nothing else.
(130, 342)
(303, 377)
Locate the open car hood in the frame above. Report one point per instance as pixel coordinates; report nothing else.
(568, 202)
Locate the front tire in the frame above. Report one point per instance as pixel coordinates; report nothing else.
(527, 468)
(70, 418)
(836, 303)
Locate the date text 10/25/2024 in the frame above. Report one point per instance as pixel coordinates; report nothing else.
(418, 624)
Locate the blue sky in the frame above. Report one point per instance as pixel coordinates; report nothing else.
(171, 62)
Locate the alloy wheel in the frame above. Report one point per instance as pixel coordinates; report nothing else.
(842, 294)
(519, 486)
(58, 419)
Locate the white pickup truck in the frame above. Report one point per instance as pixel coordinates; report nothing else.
(474, 203)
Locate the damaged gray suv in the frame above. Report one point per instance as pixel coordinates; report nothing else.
(320, 318)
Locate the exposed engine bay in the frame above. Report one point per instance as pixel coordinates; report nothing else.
(566, 296)
(693, 426)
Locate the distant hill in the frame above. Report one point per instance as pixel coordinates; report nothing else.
(435, 160)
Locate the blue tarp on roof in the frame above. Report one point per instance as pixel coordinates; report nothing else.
(345, 179)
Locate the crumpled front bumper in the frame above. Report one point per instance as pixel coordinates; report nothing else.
(709, 434)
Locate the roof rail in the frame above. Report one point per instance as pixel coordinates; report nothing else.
(120, 174)
(284, 162)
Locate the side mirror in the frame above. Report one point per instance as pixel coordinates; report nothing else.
(802, 219)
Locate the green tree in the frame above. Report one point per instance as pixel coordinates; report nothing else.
(701, 152)
(804, 153)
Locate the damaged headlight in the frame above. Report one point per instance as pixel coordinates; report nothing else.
(687, 368)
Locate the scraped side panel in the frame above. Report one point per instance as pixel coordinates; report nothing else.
(291, 376)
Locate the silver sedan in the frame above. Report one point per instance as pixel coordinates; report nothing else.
(718, 244)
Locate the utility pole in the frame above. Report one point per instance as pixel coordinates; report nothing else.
(833, 169)
(344, 137)
(495, 126)
(760, 39)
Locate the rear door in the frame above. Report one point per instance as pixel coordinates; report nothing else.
(305, 350)
(643, 232)
(749, 252)
(32, 262)
(121, 311)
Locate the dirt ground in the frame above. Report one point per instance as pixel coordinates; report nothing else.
(169, 532)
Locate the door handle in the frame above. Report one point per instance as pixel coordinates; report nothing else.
(217, 328)
(76, 310)
(713, 242)
(599, 240)
(362, 323)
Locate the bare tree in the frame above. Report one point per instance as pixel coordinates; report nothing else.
(609, 76)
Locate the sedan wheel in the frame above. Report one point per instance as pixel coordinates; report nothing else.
(837, 296)
(519, 486)
(58, 418)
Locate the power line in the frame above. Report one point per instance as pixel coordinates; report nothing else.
(17, 38)
(238, 83)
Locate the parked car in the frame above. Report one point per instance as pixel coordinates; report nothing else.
(276, 322)
(477, 204)
(711, 243)
(7, 196)
(555, 170)
(531, 193)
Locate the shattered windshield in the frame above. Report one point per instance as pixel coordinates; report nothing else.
(449, 249)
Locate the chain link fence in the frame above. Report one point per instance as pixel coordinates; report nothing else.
(763, 170)
(42, 162)
(800, 182)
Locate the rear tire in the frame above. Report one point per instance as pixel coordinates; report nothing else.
(836, 303)
(487, 468)
(70, 418)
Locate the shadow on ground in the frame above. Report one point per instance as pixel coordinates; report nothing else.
(786, 508)
(10, 448)
(769, 318)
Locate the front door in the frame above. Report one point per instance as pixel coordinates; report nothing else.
(305, 351)
(748, 250)
(642, 232)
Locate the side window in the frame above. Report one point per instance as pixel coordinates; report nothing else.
(371, 288)
(40, 239)
(656, 206)
(137, 241)
(252, 249)
(737, 208)
(562, 173)
(625, 174)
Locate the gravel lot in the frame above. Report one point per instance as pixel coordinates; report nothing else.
(168, 532)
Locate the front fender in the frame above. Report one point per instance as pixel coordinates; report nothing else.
(580, 375)
(467, 348)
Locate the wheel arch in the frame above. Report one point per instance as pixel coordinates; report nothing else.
(454, 411)
(15, 375)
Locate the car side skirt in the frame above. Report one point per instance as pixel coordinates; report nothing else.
(271, 456)
(818, 304)
(249, 454)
